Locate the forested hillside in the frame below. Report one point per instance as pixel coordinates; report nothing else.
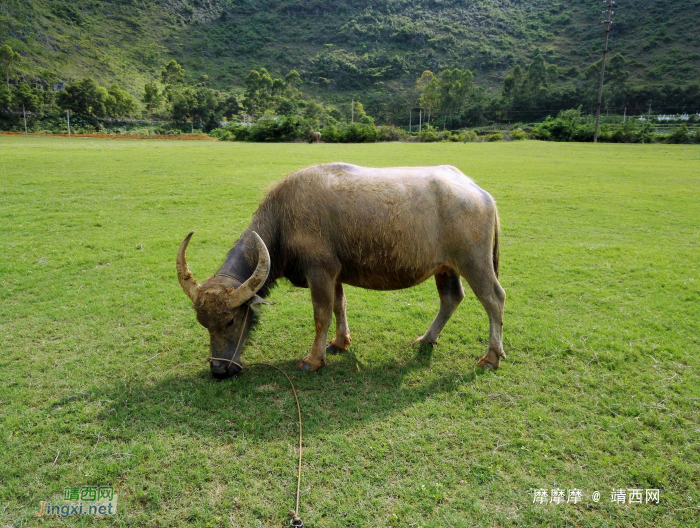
(370, 50)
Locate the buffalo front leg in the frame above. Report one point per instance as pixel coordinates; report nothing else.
(451, 292)
(342, 332)
(322, 287)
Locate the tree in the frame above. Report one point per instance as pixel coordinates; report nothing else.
(453, 89)
(231, 107)
(424, 80)
(5, 99)
(289, 107)
(258, 91)
(279, 87)
(208, 105)
(616, 77)
(537, 74)
(84, 97)
(8, 60)
(26, 97)
(264, 94)
(184, 104)
(313, 110)
(358, 111)
(292, 79)
(172, 73)
(119, 103)
(152, 98)
(429, 88)
(527, 92)
(201, 103)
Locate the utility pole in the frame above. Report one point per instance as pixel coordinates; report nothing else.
(352, 111)
(410, 115)
(420, 120)
(607, 23)
(68, 121)
(24, 114)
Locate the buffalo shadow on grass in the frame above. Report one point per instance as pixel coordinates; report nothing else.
(259, 403)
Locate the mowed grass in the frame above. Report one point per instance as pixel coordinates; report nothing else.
(103, 379)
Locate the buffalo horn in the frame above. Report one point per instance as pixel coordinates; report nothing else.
(184, 275)
(256, 280)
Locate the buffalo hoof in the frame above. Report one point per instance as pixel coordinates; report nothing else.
(332, 349)
(422, 341)
(491, 360)
(485, 363)
(308, 367)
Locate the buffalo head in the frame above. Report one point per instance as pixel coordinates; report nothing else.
(224, 307)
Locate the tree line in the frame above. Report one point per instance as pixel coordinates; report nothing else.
(448, 99)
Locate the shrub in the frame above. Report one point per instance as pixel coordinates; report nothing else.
(467, 136)
(269, 129)
(517, 135)
(494, 137)
(220, 133)
(569, 125)
(367, 120)
(359, 133)
(428, 135)
(330, 134)
(391, 133)
(680, 135)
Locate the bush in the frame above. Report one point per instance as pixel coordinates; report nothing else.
(518, 135)
(359, 133)
(367, 120)
(494, 137)
(467, 136)
(569, 125)
(330, 134)
(428, 135)
(269, 129)
(391, 133)
(220, 133)
(680, 135)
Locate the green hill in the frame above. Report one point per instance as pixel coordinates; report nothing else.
(370, 48)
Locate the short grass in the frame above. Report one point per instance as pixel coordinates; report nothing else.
(103, 379)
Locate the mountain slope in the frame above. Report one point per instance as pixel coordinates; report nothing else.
(344, 46)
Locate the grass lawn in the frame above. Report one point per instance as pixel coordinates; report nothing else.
(103, 379)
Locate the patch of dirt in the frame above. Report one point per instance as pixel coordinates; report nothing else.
(181, 137)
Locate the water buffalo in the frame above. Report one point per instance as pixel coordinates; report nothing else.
(334, 224)
(314, 137)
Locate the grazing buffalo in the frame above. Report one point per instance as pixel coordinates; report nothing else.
(335, 224)
(314, 137)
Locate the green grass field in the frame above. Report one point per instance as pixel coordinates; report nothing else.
(103, 379)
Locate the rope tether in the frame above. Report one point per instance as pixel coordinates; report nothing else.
(295, 519)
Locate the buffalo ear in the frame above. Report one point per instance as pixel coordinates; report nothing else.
(256, 299)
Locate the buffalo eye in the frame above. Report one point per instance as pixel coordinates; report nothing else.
(229, 323)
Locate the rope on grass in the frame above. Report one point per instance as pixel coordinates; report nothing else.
(295, 519)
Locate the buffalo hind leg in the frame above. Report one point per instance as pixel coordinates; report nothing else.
(451, 292)
(482, 279)
(322, 287)
(342, 332)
